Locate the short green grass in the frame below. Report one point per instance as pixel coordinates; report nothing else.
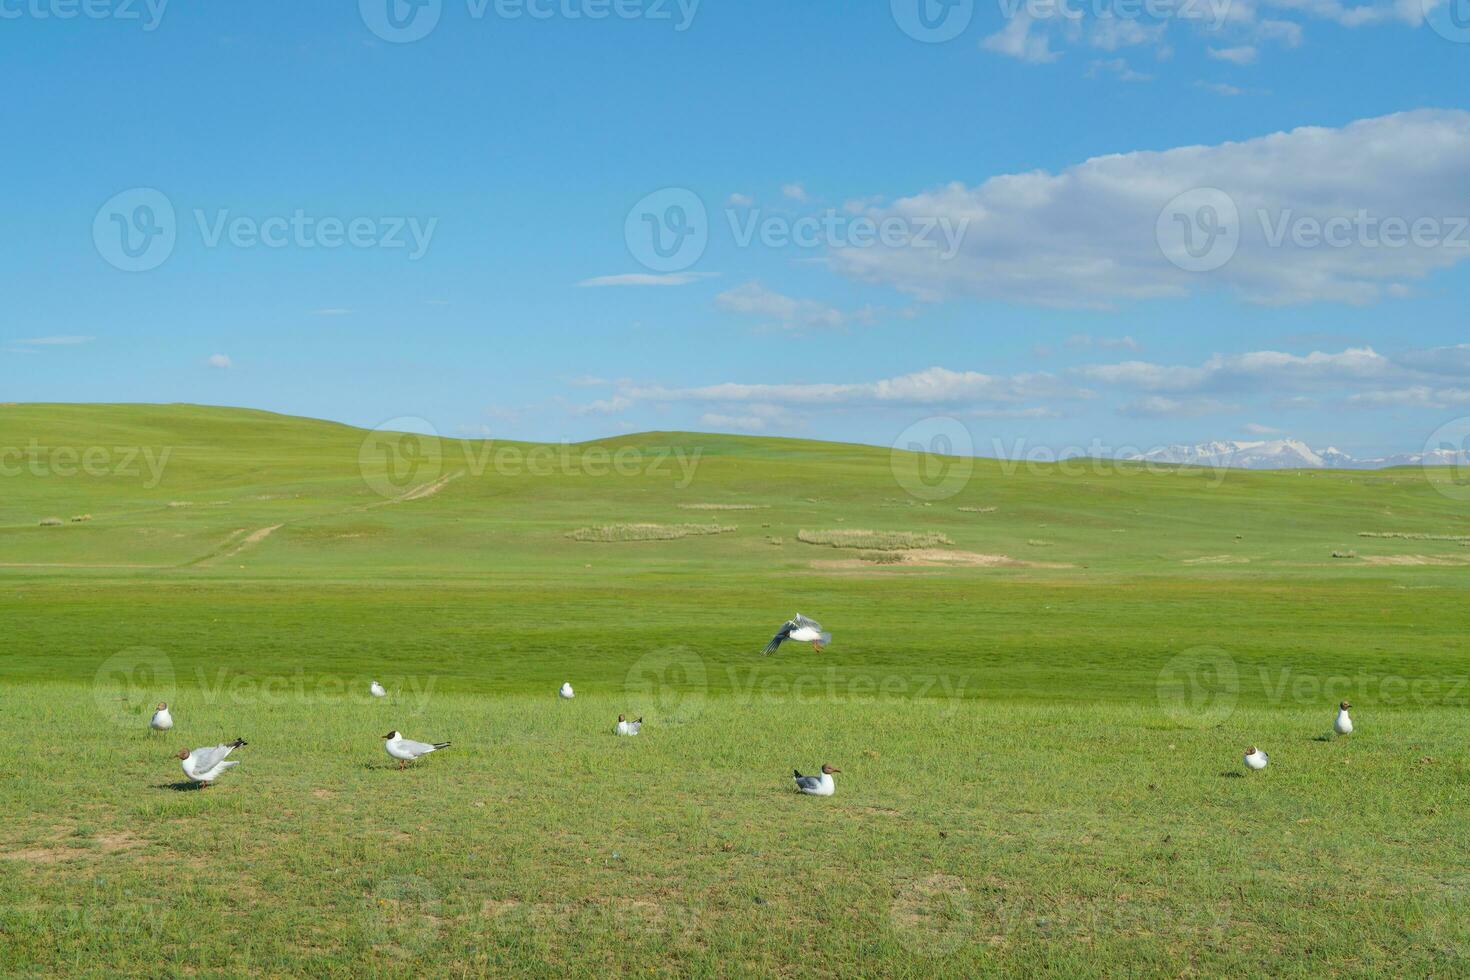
(1040, 763)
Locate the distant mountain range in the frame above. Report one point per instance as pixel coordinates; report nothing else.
(1281, 454)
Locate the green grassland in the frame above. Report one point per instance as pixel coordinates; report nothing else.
(1038, 709)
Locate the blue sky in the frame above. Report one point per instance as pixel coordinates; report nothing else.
(1106, 221)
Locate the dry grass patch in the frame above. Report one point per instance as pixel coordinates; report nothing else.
(724, 506)
(645, 532)
(874, 540)
(1406, 536)
(978, 510)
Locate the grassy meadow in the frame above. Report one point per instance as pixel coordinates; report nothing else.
(1041, 681)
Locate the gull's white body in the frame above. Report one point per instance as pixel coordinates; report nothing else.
(205, 765)
(566, 691)
(805, 634)
(1343, 725)
(629, 727)
(822, 785)
(377, 690)
(406, 749)
(161, 721)
(1257, 759)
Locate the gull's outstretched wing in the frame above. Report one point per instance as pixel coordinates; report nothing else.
(207, 758)
(780, 637)
(801, 620)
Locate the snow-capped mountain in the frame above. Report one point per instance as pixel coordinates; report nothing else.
(1280, 454)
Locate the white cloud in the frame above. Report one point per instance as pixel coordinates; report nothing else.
(1253, 370)
(1158, 406)
(738, 200)
(1087, 236)
(605, 406)
(1015, 40)
(1414, 396)
(794, 192)
(70, 340)
(932, 386)
(1257, 429)
(219, 361)
(1220, 88)
(1082, 341)
(647, 279)
(753, 299)
(1117, 67)
(1243, 55)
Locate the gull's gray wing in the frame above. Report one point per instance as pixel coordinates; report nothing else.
(417, 748)
(207, 758)
(780, 636)
(805, 621)
(807, 782)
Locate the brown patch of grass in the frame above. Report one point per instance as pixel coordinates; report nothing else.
(608, 533)
(874, 540)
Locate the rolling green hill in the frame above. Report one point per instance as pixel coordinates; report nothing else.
(264, 543)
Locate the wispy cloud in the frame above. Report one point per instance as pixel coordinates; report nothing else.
(65, 340)
(647, 279)
(221, 361)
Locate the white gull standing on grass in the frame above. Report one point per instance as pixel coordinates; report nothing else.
(161, 721)
(1255, 758)
(205, 765)
(816, 785)
(406, 749)
(626, 727)
(566, 691)
(376, 690)
(1343, 725)
(801, 629)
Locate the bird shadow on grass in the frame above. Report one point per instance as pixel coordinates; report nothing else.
(1232, 774)
(183, 787)
(1321, 738)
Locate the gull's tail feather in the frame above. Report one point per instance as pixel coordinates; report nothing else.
(796, 774)
(441, 745)
(825, 639)
(238, 742)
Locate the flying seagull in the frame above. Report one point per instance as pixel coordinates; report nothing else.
(377, 690)
(1343, 725)
(801, 629)
(1255, 758)
(626, 727)
(205, 765)
(566, 690)
(161, 721)
(407, 750)
(816, 785)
